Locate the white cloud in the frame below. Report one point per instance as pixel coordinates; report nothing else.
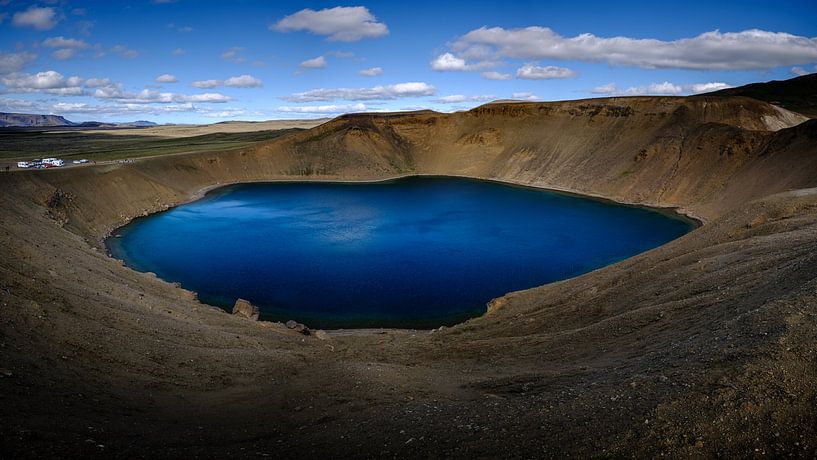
(492, 75)
(409, 89)
(36, 18)
(671, 89)
(447, 62)
(525, 95)
(748, 49)
(226, 113)
(371, 72)
(534, 72)
(148, 96)
(706, 87)
(178, 52)
(118, 109)
(49, 82)
(327, 109)
(242, 81)
(68, 47)
(125, 52)
(12, 105)
(665, 88)
(205, 84)
(609, 88)
(799, 71)
(98, 82)
(315, 63)
(166, 78)
(233, 56)
(346, 24)
(14, 62)
(62, 42)
(64, 53)
(458, 98)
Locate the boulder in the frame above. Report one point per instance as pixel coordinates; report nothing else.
(297, 327)
(322, 335)
(246, 309)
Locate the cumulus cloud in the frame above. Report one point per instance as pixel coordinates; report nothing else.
(233, 56)
(120, 109)
(325, 109)
(492, 75)
(166, 78)
(799, 71)
(665, 88)
(748, 49)
(205, 84)
(62, 42)
(36, 18)
(706, 87)
(13, 105)
(315, 63)
(68, 47)
(399, 90)
(447, 62)
(525, 95)
(14, 62)
(98, 82)
(609, 88)
(458, 98)
(148, 96)
(371, 72)
(64, 53)
(49, 82)
(534, 72)
(241, 81)
(125, 52)
(346, 24)
(661, 89)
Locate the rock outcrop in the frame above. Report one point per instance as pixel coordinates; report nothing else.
(245, 309)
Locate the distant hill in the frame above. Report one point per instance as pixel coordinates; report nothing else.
(139, 123)
(796, 94)
(25, 120)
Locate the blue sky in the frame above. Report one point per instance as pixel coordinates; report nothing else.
(190, 61)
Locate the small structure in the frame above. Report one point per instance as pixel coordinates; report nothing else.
(23, 164)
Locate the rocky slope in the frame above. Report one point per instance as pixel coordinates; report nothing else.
(703, 347)
(798, 94)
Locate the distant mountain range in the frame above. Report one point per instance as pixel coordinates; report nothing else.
(26, 120)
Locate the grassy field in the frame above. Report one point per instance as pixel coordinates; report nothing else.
(71, 145)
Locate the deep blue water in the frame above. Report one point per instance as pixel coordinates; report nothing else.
(415, 252)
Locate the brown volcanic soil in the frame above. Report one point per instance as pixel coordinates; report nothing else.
(705, 346)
